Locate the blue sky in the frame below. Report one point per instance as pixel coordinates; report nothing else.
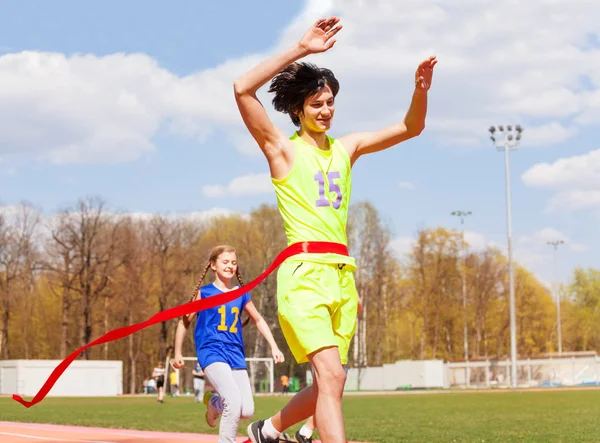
(133, 101)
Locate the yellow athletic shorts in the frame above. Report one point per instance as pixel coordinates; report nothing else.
(317, 307)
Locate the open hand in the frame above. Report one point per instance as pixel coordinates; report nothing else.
(424, 73)
(319, 37)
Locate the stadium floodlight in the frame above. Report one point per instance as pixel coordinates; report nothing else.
(508, 140)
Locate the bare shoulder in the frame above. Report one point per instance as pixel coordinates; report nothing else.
(350, 142)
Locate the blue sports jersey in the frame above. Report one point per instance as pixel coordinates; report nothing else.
(218, 333)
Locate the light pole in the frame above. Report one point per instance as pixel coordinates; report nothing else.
(556, 243)
(462, 215)
(508, 140)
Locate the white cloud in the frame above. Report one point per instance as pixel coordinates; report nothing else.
(407, 186)
(495, 67)
(86, 108)
(476, 241)
(548, 134)
(17, 217)
(574, 200)
(532, 259)
(543, 236)
(581, 171)
(251, 184)
(50, 220)
(577, 180)
(245, 144)
(10, 212)
(194, 216)
(402, 246)
(576, 247)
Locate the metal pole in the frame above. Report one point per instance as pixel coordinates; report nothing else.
(556, 291)
(462, 215)
(464, 295)
(511, 280)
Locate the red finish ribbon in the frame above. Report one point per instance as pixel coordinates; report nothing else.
(187, 308)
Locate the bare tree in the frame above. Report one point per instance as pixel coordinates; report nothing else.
(369, 242)
(133, 288)
(167, 255)
(486, 272)
(17, 260)
(93, 236)
(60, 264)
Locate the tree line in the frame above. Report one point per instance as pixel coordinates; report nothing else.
(71, 277)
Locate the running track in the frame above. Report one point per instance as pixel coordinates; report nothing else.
(13, 432)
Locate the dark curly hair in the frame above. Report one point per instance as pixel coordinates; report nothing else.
(294, 84)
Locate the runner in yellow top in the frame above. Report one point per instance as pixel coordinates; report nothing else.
(311, 174)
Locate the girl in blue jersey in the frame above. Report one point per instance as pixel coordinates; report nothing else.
(220, 345)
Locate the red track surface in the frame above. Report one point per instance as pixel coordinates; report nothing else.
(14, 432)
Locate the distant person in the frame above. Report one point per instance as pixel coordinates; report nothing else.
(151, 386)
(158, 374)
(174, 382)
(285, 384)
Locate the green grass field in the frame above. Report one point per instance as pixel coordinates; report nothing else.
(552, 416)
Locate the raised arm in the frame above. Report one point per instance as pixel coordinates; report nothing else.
(269, 138)
(413, 124)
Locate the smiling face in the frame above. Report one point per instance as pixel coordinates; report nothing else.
(301, 90)
(317, 112)
(225, 266)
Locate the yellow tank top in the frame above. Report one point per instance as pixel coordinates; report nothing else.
(314, 198)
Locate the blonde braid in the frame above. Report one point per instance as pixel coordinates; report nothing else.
(196, 292)
(199, 284)
(238, 274)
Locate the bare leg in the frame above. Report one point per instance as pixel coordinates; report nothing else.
(323, 399)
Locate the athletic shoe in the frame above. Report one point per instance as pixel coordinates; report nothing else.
(212, 415)
(255, 433)
(302, 439)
